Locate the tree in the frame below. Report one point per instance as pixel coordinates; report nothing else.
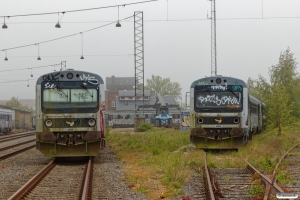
(280, 94)
(279, 107)
(163, 86)
(284, 74)
(259, 88)
(14, 102)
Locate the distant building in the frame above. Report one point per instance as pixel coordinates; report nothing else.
(120, 95)
(113, 86)
(20, 118)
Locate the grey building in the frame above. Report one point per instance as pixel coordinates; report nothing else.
(126, 100)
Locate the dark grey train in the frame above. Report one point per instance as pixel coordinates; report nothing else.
(69, 117)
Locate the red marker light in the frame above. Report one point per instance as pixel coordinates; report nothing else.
(2, 166)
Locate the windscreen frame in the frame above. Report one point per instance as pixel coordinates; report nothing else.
(70, 106)
(214, 90)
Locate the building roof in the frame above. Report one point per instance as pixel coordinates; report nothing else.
(119, 83)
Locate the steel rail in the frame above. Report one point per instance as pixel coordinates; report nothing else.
(88, 175)
(267, 193)
(16, 152)
(15, 145)
(15, 137)
(211, 193)
(32, 182)
(267, 181)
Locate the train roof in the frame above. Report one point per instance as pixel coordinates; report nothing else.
(224, 79)
(6, 111)
(253, 99)
(77, 76)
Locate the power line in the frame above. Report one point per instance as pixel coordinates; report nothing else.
(65, 36)
(9, 70)
(112, 55)
(79, 10)
(160, 20)
(8, 81)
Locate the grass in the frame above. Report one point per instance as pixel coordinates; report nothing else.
(157, 160)
(161, 160)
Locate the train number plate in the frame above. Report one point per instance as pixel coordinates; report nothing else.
(218, 126)
(70, 129)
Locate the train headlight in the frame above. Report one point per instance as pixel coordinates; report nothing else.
(48, 123)
(236, 120)
(200, 120)
(92, 122)
(69, 75)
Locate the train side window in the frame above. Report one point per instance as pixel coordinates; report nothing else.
(146, 115)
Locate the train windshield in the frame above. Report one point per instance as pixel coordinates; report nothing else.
(226, 100)
(71, 97)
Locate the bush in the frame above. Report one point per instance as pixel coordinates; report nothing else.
(145, 127)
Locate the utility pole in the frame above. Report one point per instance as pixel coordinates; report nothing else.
(63, 65)
(139, 58)
(213, 39)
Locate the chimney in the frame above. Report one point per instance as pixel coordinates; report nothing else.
(112, 79)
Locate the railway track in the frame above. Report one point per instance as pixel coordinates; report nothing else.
(66, 180)
(292, 158)
(234, 183)
(293, 168)
(15, 149)
(15, 136)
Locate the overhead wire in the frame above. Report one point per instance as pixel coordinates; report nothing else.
(79, 10)
(8, 70)
(18, 47)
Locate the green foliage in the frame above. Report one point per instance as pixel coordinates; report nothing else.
(266, 163)
(279, 107)
(256, 189)
(145, 127)
(163, 86)
(15, 103)
(142, 189)
(212, 165)
(283, 177)
(281, 93)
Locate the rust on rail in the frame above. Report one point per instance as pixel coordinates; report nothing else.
(211, 193)
(32, 182)
(88, 175)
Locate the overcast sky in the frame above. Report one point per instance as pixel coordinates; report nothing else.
(251, 34)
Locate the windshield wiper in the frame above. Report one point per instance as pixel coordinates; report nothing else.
(230, 90)
(85, 88)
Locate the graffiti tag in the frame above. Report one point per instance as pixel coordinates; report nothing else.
(202, 83)
(218, 101)
(50, 86)
(51, 77)
(237, 87)
(219, 87)
(90, 79)
(82, 96)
